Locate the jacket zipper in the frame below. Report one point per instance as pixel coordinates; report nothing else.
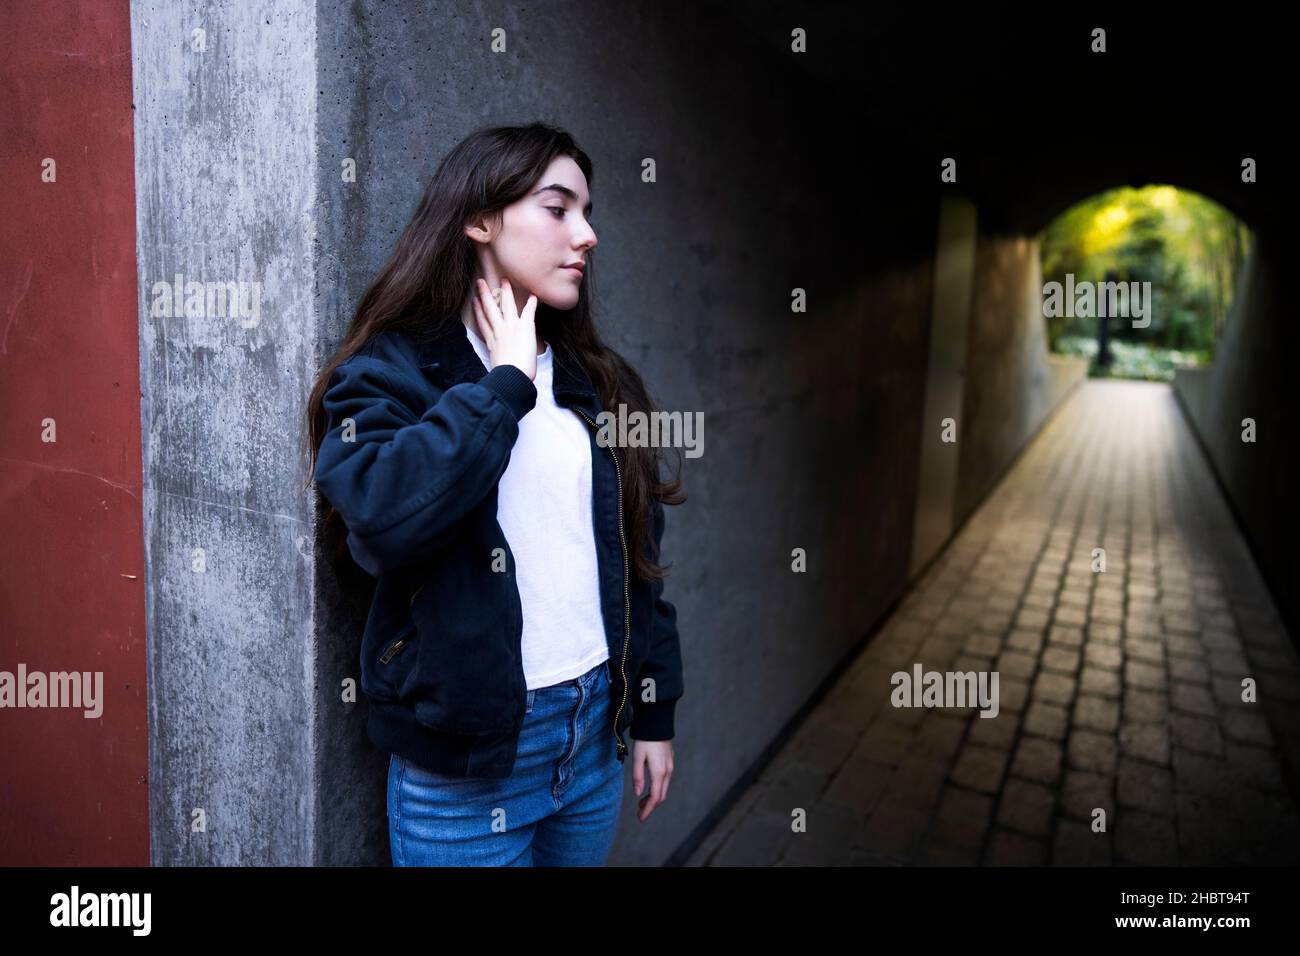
(627, 604)
(401, 641)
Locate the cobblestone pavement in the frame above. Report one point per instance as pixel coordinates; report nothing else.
(1119, 690)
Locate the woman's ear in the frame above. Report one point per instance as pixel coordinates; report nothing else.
(479, 230)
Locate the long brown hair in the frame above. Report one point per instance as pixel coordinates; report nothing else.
(430, 274)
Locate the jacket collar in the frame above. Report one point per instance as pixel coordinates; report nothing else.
(448, 358)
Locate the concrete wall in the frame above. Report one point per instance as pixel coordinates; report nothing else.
(1012, 382)
(225, 150)
(1253, 377)
(73, 790)
(943, 428)
(989, 369)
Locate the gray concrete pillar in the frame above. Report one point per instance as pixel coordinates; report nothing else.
(225, 101)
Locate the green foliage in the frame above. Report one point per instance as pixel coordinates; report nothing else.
(1190, 249)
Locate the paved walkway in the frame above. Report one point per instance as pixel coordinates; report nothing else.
(1118, 690)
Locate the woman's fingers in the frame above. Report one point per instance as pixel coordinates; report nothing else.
(484, 330)
(508, 301)
(485, 299)
(512, 337)
(498, 304)
(491, 305)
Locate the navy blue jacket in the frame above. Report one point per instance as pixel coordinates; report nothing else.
(419, 436)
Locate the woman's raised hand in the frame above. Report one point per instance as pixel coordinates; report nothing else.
(511, 337)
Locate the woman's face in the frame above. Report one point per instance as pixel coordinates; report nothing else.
(539, 236)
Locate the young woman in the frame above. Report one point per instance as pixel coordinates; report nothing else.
(517, 625)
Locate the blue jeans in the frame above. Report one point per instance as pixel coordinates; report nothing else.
(559, 807)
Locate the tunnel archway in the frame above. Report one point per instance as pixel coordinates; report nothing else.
(1141, 281)
(1245, 390)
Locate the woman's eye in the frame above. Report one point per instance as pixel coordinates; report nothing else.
(561, 210)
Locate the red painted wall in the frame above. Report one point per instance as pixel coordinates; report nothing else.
(73, 790)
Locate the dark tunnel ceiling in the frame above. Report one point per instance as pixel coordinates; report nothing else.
(1036, 121)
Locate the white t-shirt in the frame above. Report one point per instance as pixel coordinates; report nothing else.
(544, 508)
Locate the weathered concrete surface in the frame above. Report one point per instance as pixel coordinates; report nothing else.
(1253, 376)
(943, 428)
(226, 193)
(1011, 384)
(989, 370)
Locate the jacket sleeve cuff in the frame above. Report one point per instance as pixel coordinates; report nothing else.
(513, 386)
(653, 720)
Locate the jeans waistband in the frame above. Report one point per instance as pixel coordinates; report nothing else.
(586, 679)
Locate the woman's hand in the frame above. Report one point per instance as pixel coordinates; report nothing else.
(654, 757)
(511, 337)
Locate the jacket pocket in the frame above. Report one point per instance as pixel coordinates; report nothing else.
(388, 657)
(397, 646)
(468, 676)
(388, 670)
